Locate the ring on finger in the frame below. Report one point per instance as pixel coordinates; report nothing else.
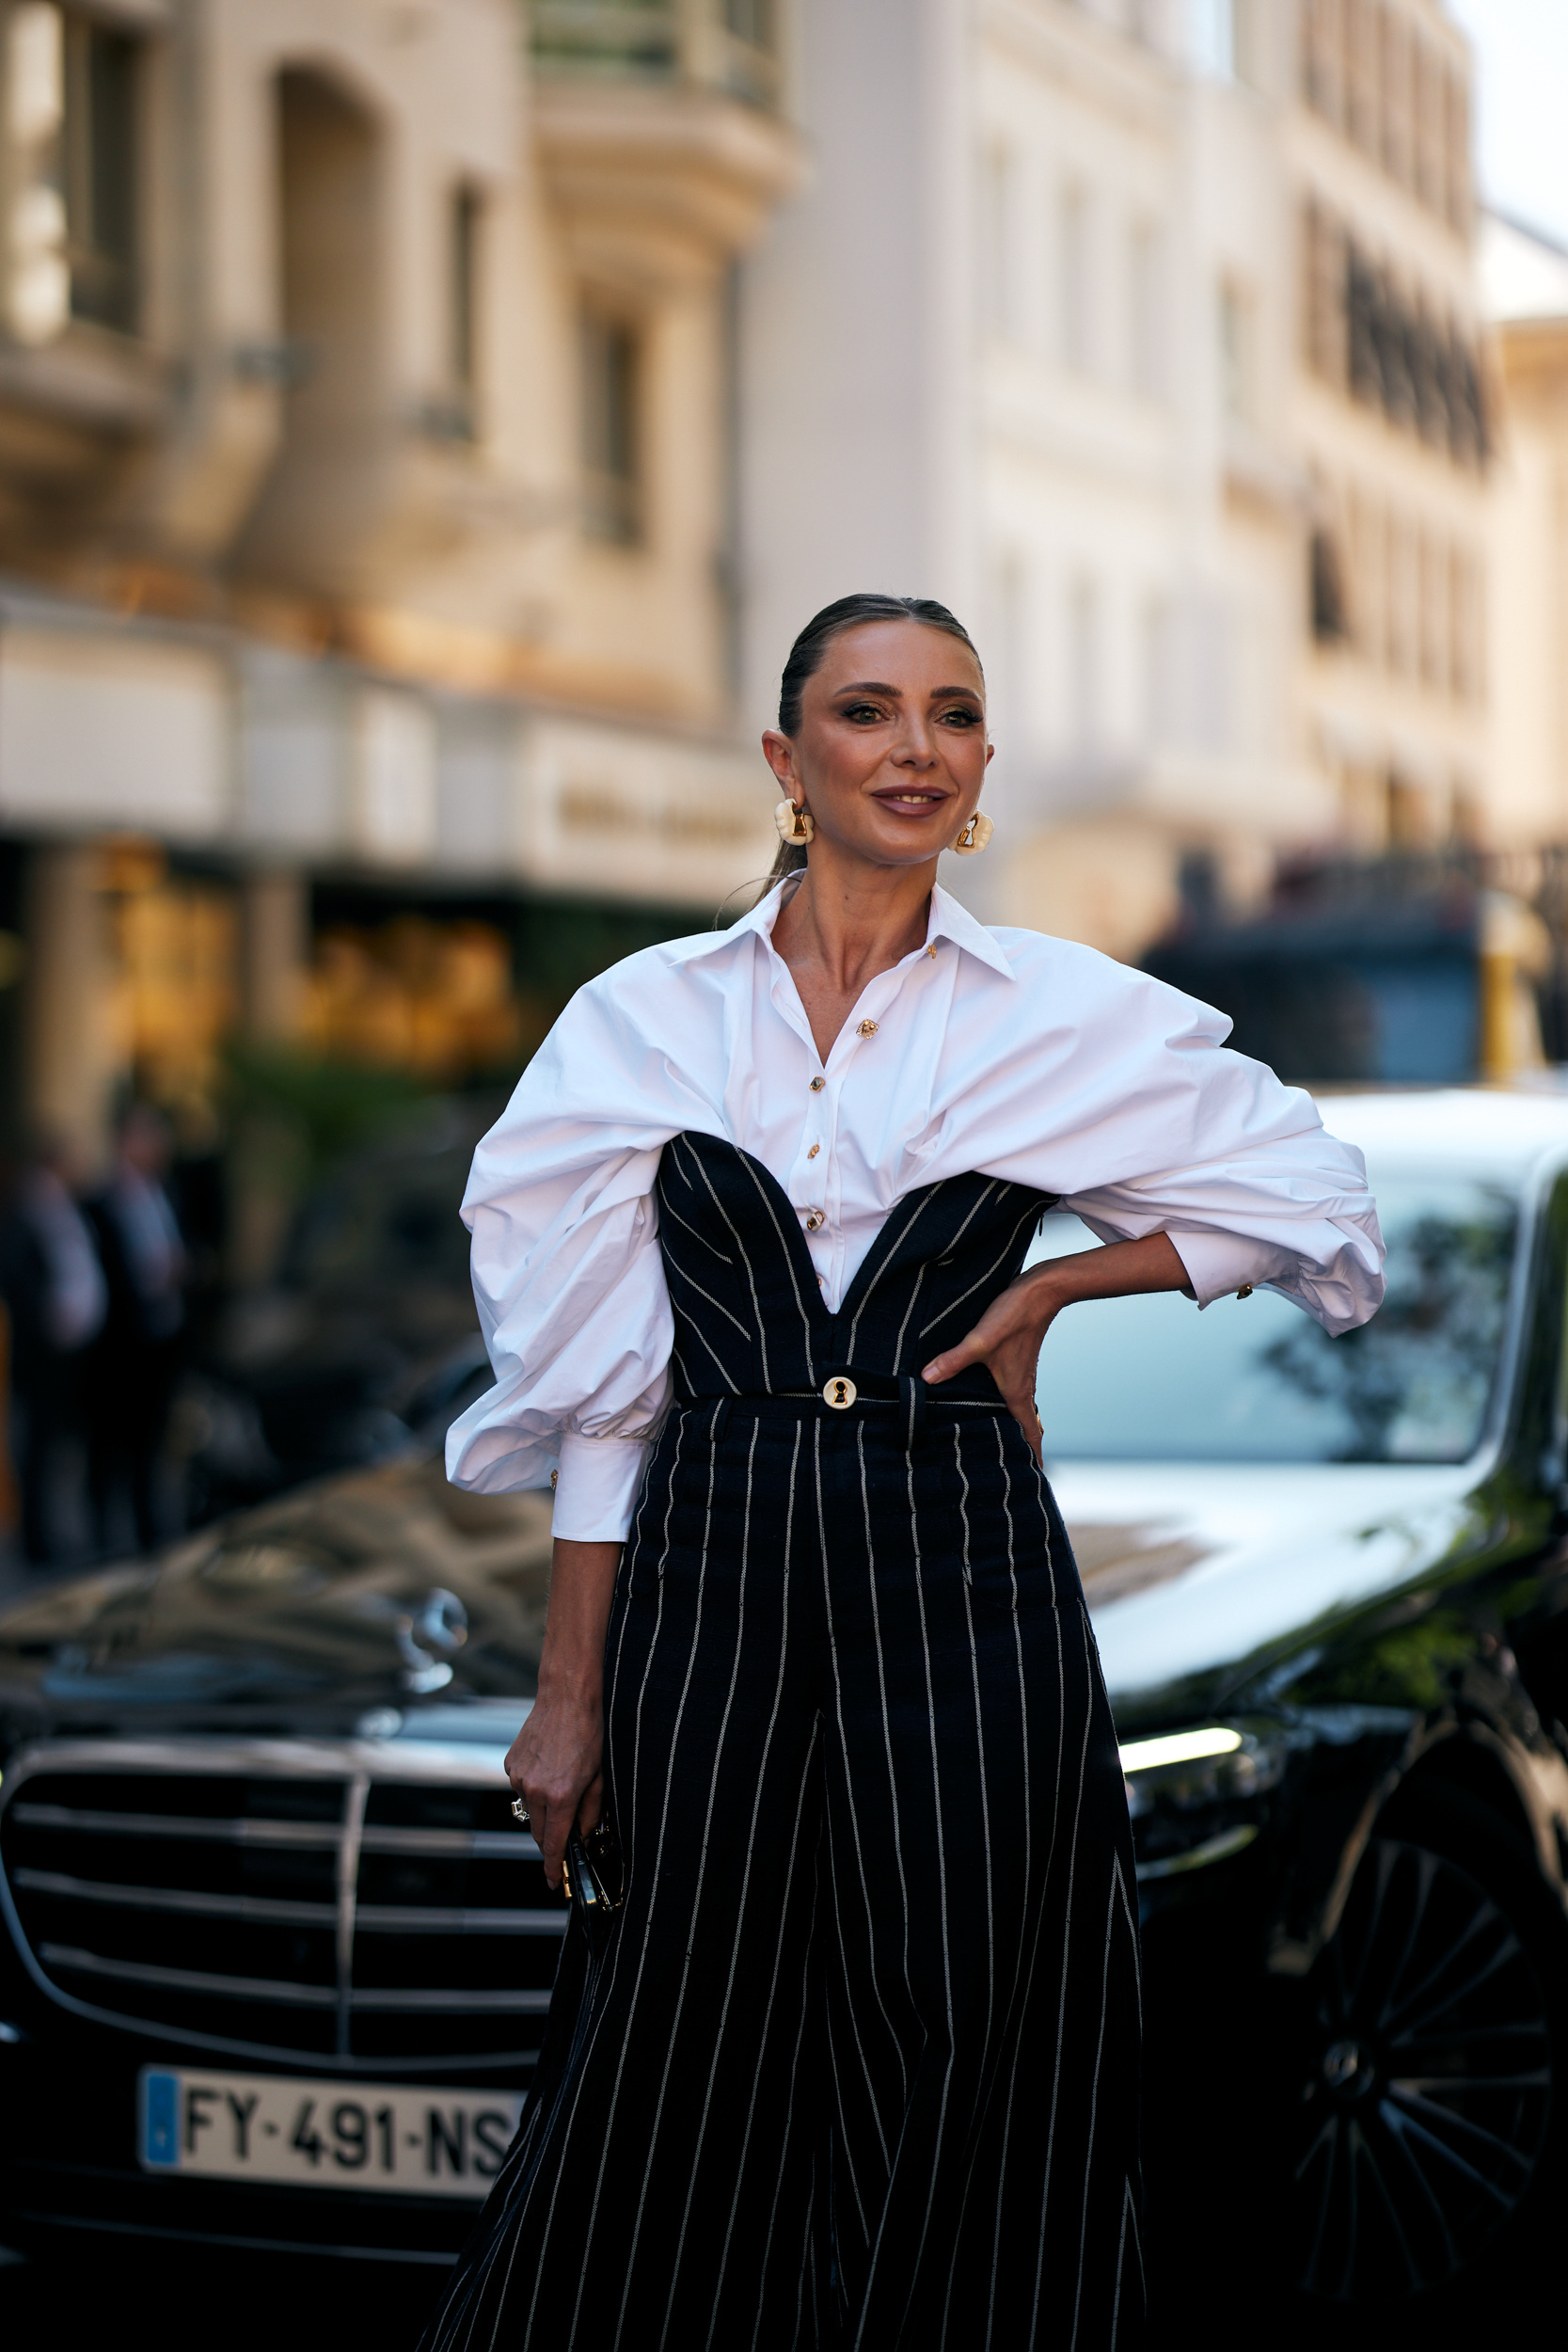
(519, 1813)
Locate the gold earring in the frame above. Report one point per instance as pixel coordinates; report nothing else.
(975, 835)
(795, 823)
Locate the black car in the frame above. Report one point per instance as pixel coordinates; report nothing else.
(277, 1957)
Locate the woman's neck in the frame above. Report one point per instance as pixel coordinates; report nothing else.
(841, 925)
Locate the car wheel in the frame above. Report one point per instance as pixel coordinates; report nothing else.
(1420, 2117)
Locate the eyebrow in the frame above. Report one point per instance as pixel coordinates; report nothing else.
(877, 686)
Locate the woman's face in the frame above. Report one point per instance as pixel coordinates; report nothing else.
(891, 751)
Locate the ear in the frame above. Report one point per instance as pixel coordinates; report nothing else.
(779, 752)
(990, 753)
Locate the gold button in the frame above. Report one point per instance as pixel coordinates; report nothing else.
(814, 1218)
(813, 1152)
(817, 1085)
(840, 1394)
(867, 1028)
(930, 951)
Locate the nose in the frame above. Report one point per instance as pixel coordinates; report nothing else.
(914, 748)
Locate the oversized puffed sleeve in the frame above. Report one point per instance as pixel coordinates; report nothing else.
(1166, 1130)
(568, 1273)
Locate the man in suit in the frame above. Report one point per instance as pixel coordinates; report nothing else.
(52, 1283)
(136, 1360)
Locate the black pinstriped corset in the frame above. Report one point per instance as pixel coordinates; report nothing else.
(750, 1316)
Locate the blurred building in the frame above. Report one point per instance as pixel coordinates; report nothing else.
(1146, 335)
(366, 440)
(1526, 279)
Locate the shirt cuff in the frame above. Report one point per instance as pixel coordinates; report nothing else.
(596, 1487)
(1219, 1264)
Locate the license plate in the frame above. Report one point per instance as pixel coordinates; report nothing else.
(323, 2135)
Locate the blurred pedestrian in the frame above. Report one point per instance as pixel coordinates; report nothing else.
(136, 1360)
(857, 2062)
(56, 1298)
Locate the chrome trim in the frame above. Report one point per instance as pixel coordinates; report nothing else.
(354, 1766)
(348, 1893)
(527, 2004)
(258, 1908)
(498, 1845)
(417, 1920)
(377, 1918)
(225, 1833)
(495, 1844)
(266, 1760)
(190, 1979)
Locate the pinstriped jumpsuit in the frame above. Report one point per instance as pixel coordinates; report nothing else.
(859, 2068)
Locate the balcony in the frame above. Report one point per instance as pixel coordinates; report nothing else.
(660, 133)
(724, 45)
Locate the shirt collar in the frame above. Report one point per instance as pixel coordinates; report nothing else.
(948, 920)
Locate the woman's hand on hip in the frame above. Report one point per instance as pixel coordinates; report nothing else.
(556, 1763)
(1008, 1337)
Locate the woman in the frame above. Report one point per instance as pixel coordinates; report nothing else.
(858, 2065)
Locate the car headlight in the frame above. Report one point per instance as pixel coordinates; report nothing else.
(1201, 1796)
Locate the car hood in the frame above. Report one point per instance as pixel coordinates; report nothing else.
(1199, 1575)
(381, 1589)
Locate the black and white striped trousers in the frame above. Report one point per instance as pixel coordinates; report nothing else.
(859, 2067)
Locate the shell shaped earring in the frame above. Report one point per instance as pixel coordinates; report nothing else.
(795, 826)
(974, 836)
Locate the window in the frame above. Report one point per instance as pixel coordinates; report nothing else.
(71, 104)
(1235, 353)
(1322, 59)
(1225, 37)
(463, 357)
(611, 428)
(1072, 278)
(1429, 127)
(1397, 101)
(1458, 154)
(996, 269)
(1363, 78)
(1329, 623)
(1083, 655)
(1148, 338)
(1429, 617)
(1154, 631)
(101, 171)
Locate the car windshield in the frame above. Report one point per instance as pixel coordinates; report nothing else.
(1130, 1379)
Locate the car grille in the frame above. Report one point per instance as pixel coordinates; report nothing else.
(351, 1901)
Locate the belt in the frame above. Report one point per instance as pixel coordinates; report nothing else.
(846, 1392)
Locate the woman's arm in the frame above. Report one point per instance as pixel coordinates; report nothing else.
(556, 1761)
(1008, 1336)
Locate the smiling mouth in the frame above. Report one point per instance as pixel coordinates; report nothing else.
(917, 801)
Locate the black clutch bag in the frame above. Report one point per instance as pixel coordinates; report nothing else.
(592, 1874)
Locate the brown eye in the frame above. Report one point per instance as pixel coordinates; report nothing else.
(862, 711)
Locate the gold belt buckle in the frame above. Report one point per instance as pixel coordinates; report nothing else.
(840, 1394)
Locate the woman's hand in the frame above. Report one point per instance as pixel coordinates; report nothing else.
(555, 1766)
(1008, 1337)
(556, 1762)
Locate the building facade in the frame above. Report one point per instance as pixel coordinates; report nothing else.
(1148, 336)
(1525, 282)
(367, 430)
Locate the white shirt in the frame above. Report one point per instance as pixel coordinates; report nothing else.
(1000, 1052)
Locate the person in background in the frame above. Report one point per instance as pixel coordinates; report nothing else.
(57, 1296)
(136, 1360)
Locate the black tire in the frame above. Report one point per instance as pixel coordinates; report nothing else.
(1422, 2102)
